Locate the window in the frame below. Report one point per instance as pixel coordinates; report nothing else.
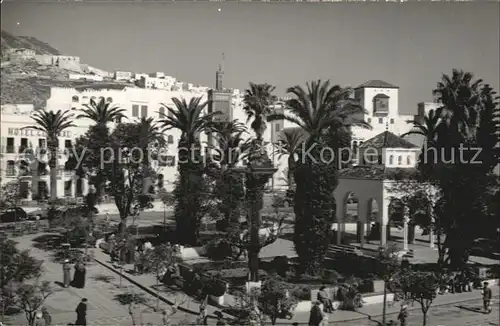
(369, 120)
(11, 168)
(400, 160)
(101, 98)
(67, 143)
(42, 142)
(74, 98)
(109, 99)
(144, 111)
(67, 189)
(10, 145)
(42, 168)
(24, 145)
(277, 127)
(380, 120)
(391, 160)
(92, 98)
(162, 112)
(135, 110)
(170, 139)
(408, 160)
(392, 121)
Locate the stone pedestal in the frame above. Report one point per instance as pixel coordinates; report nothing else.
(383, 235)
(253, 285)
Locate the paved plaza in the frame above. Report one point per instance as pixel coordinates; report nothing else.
(104, 309)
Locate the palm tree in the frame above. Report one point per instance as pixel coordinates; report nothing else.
(52, 124)
(188, 118)
(321, 108)
(289, 143)
(229, 143)
(102, 112)
(258, 100)
(152, 138)
(430, 128)
(461, 100)
(324, 113)
(231, 148)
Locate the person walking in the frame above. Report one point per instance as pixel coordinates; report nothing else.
(316, 315)
(39, 319)
(487, 297)
(81, 313)
(46, 316)
(220, 320)
(202, 317)
(403, 315)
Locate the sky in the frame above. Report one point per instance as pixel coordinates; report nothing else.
(285, 44)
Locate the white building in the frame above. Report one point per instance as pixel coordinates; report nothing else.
(23, 156)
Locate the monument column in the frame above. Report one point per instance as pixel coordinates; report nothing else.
(406, 219)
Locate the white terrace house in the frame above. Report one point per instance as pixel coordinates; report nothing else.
(370, 186)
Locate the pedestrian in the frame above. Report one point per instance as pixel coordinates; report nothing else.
(316, 315)
(487, 297)
(403, 315)
(39, 319)
(46, 316)
(220, 321)
(203, 311)
(81, 313)
(79, 276)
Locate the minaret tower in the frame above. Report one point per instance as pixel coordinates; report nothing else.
(218, 76)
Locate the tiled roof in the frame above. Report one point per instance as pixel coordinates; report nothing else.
(387, 139)
(375, 83)
(378, 172)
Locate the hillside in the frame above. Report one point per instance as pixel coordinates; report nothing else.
(27, 42)
(29, 82)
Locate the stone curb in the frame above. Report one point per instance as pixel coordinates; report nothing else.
(147, 289)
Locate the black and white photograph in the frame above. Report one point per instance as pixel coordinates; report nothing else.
(250, 162)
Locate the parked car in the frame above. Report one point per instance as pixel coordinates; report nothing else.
(484, 247)
(39, 214)
(13, 214)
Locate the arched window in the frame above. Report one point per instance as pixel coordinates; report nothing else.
(400, 160)
(109, 99)
(93, 98)
(408, 160)
(101, 98)
(74, 98)
(170, 139)
(391, 160)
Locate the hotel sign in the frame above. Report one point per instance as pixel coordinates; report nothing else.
(30, 132)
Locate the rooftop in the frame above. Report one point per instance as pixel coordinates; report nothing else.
(387, 139)
(375, 83)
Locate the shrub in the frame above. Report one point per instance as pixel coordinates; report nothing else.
(215, 287)
(302, 293)
(218, 249)
(280, 265)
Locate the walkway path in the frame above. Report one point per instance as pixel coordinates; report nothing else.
(103, 308)
(374, 311)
